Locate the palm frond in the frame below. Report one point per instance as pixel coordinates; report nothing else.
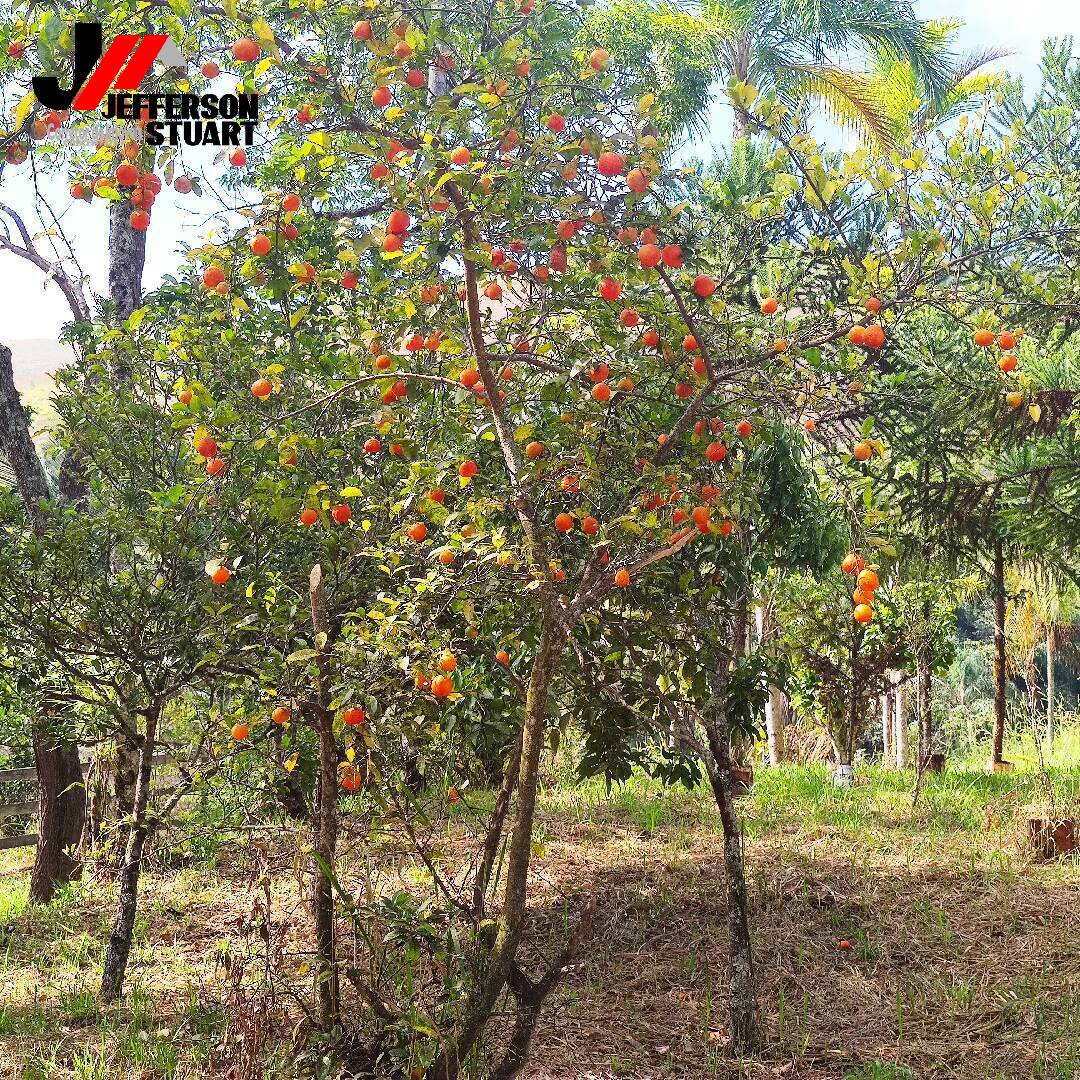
(890, 28)
(742, 171)
(849, 99)
(966, 65)
(963, 97)
(943, 30)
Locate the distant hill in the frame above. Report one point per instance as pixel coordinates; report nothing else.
(34, 361)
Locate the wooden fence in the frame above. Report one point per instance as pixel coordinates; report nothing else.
(21, 809)
(17, 809)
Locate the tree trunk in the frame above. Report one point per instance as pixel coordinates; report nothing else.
(118, 949)
(410, 758)
(126, 780)
(553, 637)
(925, 707)
(743, 1001)
(742, 53)
(900, 730)
(854, 720)
(999, 656)
(776, 706)
(127, 258)
(61, 806)
(18, 448)
(845, 730)
(111, 784)
(1051, 689)
(95, 784)
(61, 797)
(326, 819)
(776, 709)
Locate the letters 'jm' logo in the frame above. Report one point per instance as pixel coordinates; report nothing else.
(123, 67)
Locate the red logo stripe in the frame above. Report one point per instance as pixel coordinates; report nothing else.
(101, 78)
(141, 62)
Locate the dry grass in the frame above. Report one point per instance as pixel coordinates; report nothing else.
(965, 958)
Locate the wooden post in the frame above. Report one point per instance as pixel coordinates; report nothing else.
(775, 706)
(887, 752)
(900, 731)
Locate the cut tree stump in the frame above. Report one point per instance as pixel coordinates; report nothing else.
(741, 780)
(1052, 839)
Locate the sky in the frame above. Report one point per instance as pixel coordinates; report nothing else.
(31, 308)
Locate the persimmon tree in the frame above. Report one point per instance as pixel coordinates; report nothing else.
(838, 664)
(541, 297)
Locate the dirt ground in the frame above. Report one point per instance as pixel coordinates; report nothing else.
(964, 957)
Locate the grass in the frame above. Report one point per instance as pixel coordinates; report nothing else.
(964, 958)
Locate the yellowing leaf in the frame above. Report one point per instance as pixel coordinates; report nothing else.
(24, 108)
(264, 34)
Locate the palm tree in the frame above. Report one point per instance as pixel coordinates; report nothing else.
(908, 111)
(797, 51)
(1046, 600)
